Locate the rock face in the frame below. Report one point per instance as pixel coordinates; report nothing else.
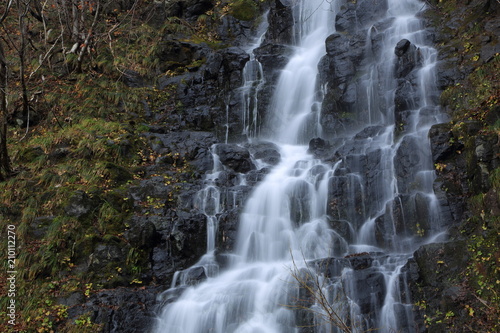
(113, 308)
(360, 14)
(336, 72)
(406, 97)
(235, 157)
(171, 235)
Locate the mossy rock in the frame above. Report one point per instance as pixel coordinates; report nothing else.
(80, 204)
(244, 10)
(31, 153)
(118, 174)
(85, 246)
(119, 199)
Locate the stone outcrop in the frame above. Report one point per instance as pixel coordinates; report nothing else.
(172, 235)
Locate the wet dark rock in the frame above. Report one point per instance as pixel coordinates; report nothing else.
(80, 204)
(235, 157)
(359, 14)
(346, 19)
(194, 275)
(412, 216)
(227, 178)
(299, 193)
(384, 228)
(402, 47)
(320, 148)
(141, 234)
(202, 93)
(369, 132)
(341, 205)
(188, 9)
(170, 295)
(360, 261)
(443, 142)
(113, 308)
(194, 8)
(440, 263)
(228, 229)
(256, 176)
(174, 54)
(337, 45)
(434, 276)
(409, 157)
(340, 80)
(234, 59)
(153, 188)
(105, 254)
(368, 11)
(267, 152)
(164, 265)
(273, 58)
(180, 243)
(408, 57)
(344, 229)
(485, 160)
(280, 20)
(366, 287)
(188, 236)
(236, 196)
(377, 34)
(236, 30)
(331, 267)
(72, 299)
(190, 145)
(405, 99)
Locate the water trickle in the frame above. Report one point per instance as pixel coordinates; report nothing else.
(253, 81)
(348, 222)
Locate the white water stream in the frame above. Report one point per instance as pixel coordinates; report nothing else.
(293, 212)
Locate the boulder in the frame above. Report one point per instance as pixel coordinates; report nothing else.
(235, 157)
(124, 310)
(408, 57)
(280, 18)
(266, 152)
(443, 142)
(80, 204)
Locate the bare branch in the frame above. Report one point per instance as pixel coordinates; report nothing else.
(9, 4)
(87, 38)
(47, 54)
(315, 288)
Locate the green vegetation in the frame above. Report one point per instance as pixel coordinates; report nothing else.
(473, 104)
(245, 10)
(67, 193)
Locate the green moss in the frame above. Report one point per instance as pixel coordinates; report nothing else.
(244, 10)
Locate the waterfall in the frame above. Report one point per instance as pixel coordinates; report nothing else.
(253, 80)
(321, 236)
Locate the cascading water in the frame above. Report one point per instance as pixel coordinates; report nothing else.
(253, 80)
(347, 224)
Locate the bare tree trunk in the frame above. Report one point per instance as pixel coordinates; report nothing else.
(85, 46)
(5, 166)
(23, 8)
(75, 29)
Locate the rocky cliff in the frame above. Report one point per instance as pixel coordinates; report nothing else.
(454, 285)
